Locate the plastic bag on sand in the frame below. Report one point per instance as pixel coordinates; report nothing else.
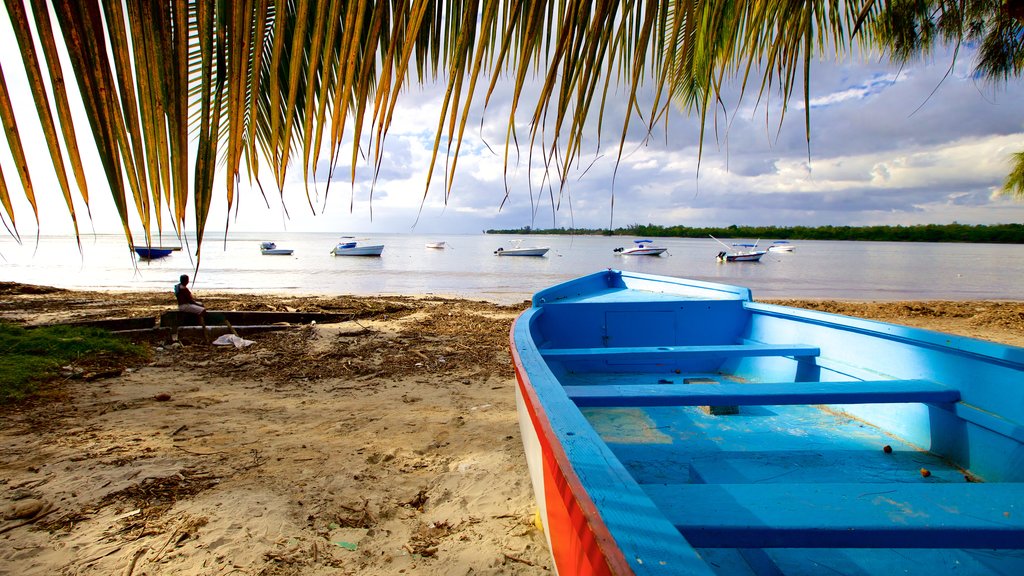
(232, 340)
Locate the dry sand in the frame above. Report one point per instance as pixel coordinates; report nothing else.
(384, 444)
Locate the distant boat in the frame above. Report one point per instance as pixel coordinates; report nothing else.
(152, 253)
(781, 246)
(674, 427)
(353, 248)
(641, 248)
(747, 252)
(517, 249)
(271, 249)
(437, 245)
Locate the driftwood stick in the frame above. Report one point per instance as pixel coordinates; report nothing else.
(135, 558)
(199, 453)
(517, 559)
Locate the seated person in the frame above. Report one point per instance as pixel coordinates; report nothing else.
(186, 303)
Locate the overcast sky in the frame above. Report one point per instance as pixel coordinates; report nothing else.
(888, 146)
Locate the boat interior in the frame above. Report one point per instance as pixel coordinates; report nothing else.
(787, 441)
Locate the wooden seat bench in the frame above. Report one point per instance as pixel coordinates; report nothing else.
(682, 352)
(893, 515)
(766, 394)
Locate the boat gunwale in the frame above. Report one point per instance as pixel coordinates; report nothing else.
(611, 551)
(559, 292)
(992, 352)
(615, 473)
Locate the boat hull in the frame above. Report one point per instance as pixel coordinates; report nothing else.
(153, 253)
(679, 427)
(521, 251)
(277, 252)
(376, 250)
(644, 252)
(741, 257)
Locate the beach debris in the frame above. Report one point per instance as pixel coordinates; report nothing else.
(25, 512)
(27, 508)
(348, 538)
(232, 340)
(418, 501)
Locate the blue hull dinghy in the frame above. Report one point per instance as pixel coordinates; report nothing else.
(679, 427)
(152, 253)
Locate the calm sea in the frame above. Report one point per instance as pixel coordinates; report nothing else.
(469, 268)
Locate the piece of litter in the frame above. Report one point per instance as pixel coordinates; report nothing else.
(232, 340)
(129, 514)
(346, 545)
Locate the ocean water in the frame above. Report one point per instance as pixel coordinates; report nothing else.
(468, 268)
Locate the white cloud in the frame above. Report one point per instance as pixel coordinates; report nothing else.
(874, 85)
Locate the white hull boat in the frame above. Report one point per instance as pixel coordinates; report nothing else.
(437, 245)
(355, 249)
(536, 251)
(753, 256)
(271, 249)
(518, 249)
(781, 246)
(748, 252)
(641, 248)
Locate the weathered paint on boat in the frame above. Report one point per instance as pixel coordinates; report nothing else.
(679, 427)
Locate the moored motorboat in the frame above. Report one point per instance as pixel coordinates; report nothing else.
(739, 252)
(742, 255)
(781, 246)
(641, 248)
(353, 248)
(517, 249)
(437, 245)
(679, 427)
(271, 249)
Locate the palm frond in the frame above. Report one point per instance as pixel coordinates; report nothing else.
(276, 82)
(1014, 183)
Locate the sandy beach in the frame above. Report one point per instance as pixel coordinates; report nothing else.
(386, 443)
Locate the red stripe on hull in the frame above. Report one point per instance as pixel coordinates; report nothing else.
(581, 543)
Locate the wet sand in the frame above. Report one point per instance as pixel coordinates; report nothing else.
(383, 444)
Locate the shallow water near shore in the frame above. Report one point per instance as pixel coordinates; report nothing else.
(468, 268)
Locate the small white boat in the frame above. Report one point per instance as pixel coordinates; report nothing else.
(271, 249)
(641, 248)
(518, 249)
(353, 248)
(746, 252)
(437, 245)
(747, 256)
(781, 246)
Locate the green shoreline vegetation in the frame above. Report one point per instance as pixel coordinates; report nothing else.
(31, 356)
(981, 233)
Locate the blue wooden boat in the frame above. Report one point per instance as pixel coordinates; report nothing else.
(152, 253)
(679, 427)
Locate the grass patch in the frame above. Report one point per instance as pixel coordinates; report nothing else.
(28, 357)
